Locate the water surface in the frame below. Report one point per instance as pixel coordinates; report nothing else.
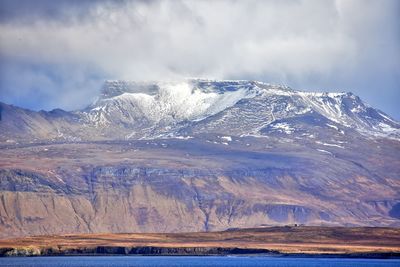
(156, 261)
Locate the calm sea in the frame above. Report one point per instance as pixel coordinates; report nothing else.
(125, 261)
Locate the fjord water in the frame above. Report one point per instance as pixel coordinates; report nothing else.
(160, 261)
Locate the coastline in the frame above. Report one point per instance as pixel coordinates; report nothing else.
(184, 252)
(285, 241)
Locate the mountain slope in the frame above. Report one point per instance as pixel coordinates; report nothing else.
(131, 110)
(198, 155)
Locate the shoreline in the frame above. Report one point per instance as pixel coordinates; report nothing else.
(300, 241)
(387, 255)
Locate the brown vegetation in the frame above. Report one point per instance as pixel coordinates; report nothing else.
(286, 240)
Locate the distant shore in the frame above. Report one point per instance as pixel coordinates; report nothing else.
(287, 241)
(181, 251)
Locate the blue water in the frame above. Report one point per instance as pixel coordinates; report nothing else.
(138, 261)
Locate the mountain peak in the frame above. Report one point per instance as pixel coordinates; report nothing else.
(132, 109)
(158, 104)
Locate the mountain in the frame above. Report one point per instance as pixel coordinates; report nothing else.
(133, 110)
(198, 155)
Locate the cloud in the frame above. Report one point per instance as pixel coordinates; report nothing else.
(64, 51)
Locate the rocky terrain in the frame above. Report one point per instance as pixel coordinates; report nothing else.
(276, 241)
(198, 155)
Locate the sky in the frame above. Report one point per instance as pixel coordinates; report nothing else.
(57, 54)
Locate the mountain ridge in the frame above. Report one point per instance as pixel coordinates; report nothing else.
(199, 156)
(135, 107)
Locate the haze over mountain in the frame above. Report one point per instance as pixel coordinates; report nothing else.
(198, 155)
(57, 54)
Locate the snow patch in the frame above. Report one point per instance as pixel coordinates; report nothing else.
(183, 137)
(332, 126)
(387, 128)
(386, 117)
(227, 138)
(357, 109)
(283, 127)
(324, 151)
(327, 144)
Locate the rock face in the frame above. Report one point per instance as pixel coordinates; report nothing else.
(198, 156)
(148, 250)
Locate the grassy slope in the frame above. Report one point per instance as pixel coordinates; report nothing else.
(288, 240)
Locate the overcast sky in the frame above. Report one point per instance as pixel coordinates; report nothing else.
(58, 53)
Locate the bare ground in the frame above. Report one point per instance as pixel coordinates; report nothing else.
(308, 240)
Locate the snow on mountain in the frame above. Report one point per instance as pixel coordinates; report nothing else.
(243, 107)
(172, 102)
(193, 107)
(199, 146)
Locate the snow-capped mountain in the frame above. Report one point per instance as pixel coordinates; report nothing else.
(146, 110)
(198, 155)
(160, 104)
(241, 107)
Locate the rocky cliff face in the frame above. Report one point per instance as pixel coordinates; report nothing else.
(199, 156)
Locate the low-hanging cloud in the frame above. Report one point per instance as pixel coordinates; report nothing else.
(57, 53)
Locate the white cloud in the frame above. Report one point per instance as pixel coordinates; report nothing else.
(301, 43)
